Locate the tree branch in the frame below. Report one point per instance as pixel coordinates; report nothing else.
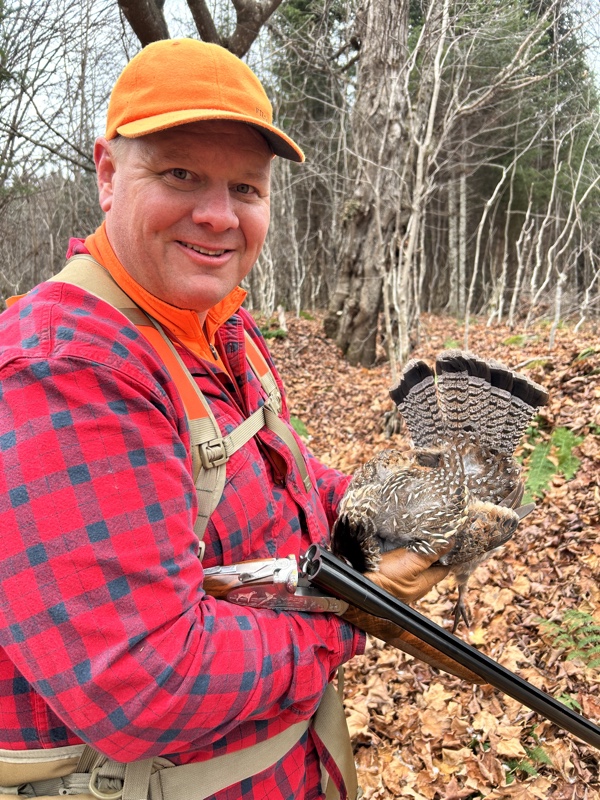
(146, 19)
(251, 15)
(204, 22)
(86, 164)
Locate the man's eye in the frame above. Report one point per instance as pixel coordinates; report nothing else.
(245, 188)
(180, 174)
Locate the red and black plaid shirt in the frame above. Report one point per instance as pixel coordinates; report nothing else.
(106, 635)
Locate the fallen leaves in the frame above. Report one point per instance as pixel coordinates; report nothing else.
(426, 735)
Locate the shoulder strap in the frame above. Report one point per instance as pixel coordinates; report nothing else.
(263, 372)
(210, 451)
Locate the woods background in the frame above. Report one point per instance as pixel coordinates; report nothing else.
(450, 195)
(453, 152)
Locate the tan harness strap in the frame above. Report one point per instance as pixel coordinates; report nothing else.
(209, 471)
(332, 729)
(25, 766)
(157, 779)
(279, 428)
(210, 451)
(263, 373)
(273, 408)
(200, 780)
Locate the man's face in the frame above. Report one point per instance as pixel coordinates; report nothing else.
(187, 209)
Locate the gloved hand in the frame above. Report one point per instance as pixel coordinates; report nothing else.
(408, 575)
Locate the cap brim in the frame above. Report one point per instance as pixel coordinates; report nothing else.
(281, 144)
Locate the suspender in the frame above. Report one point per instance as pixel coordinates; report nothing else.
(210, 450)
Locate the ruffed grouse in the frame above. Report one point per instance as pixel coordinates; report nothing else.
(460, 479)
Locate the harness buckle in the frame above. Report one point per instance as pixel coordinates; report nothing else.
(213, 453)
(274, 401)
(98, 792)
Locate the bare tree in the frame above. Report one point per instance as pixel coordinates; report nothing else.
(409, 113)
(375, 217)
(54, 85)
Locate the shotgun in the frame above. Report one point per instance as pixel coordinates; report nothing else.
(324, 583)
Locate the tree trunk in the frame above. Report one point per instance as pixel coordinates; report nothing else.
(452, 306)
(373, 221)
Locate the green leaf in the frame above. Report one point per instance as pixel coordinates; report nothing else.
(592, 637)
(536, 362)
(569, 701)
(575, 618)
(589, 351)
(538, 755)
(299, 426)
(522, 766)
(519, 339)
(576, 654)
(541, 471)
(565, 440)
(577, 634)
(564, 639)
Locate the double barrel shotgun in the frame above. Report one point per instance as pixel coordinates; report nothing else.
(322, 582)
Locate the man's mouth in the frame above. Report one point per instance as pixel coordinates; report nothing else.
(203, 250)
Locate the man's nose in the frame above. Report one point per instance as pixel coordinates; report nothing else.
(214, 207)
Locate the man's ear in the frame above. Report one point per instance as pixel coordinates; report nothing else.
(105, 172)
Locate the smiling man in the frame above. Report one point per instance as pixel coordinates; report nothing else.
(187, 209)
(107, 637)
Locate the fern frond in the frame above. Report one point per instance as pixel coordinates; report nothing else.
(538, 755)
(577, 634)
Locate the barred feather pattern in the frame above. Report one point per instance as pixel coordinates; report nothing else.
(502, 383)
(459, 481)
(423, 415)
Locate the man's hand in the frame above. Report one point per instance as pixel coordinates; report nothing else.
(408, 575)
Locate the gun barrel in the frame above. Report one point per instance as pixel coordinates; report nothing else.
(330, 574)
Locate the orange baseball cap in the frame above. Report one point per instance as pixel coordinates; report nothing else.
(174, 81)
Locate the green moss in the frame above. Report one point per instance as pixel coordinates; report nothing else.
(278, 333)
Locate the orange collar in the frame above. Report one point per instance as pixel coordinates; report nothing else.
(182, 323)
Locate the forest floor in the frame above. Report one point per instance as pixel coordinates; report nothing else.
(420, 733)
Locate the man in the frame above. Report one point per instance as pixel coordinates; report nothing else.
(106, 635)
